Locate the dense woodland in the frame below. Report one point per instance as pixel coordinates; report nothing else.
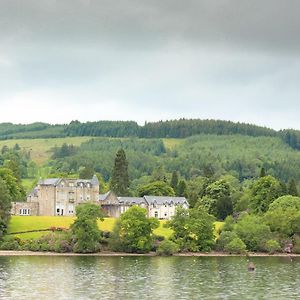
(163, 129)
(244, 174)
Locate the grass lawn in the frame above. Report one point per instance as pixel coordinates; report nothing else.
(26, 223)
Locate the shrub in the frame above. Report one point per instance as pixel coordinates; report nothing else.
(236, 246)
(224, 239)
(296, 248)
(272, 246)
(167, 248)
(10, 243)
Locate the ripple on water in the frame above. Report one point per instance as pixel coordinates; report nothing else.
(67, 278)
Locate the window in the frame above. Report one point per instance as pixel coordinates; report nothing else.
(166, 214)
(88, 197)
(156, 214)
(24, 211)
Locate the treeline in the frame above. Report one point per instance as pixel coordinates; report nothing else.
(181, 128)
(203, 155)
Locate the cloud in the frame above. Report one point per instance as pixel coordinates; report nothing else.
(150, 60)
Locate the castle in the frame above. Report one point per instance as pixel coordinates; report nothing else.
(60, 196)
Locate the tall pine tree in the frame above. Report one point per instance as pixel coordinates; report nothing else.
(120, 179)
(174, 180)
(292, 188)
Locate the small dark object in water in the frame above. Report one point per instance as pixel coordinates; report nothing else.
(251, 266)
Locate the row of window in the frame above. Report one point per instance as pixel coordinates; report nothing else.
(24, 212)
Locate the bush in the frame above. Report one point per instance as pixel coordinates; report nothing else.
(272, 246)
(224, 239)
(236, 246)
(10, 243)
(167, 248)
(296, 248)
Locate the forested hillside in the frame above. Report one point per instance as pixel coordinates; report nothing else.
(163, 129)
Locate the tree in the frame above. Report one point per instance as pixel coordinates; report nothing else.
(262, 173)
(86, 172)
(218, 199)
(120, 179)
(157, 188)
(174, 180)
(193, 229)
(292, 188)
(263, 192)
(133, 231)
(85, 228)
(15, 189)
(253, 232)
(182, 189)
(5, 207)
(159, 174)
(283, 215)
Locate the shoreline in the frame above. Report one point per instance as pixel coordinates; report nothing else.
(151, 254)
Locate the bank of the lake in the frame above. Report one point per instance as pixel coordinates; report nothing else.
(150, 254)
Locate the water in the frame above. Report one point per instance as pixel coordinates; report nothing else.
(53, 277)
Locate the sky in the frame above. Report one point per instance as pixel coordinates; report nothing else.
(146, 60)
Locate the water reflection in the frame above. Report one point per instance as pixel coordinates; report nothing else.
(148, 278)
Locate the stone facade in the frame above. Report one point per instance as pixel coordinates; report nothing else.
(159, 207)
(25, 209)
(60, 196)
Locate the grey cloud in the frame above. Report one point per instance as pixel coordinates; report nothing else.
(273, 25)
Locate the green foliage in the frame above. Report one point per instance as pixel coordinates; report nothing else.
(283, 215)
(64, 151)
(252, 231)
(182, 189)
(263, 192)
(292, 188)
(272, 246)
(133, 231)
(85, 228)
(218, 199)
(15, 189)
(167, 248)
(174, 180)
(236, 246)
(224, 239)
(193, 229)
(157, 188)
(120, 179)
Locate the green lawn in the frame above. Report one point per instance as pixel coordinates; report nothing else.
(26, 223)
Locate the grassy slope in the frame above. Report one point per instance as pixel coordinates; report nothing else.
(40, 149)
(26, 223)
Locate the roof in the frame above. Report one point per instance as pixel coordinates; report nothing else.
(49, 181)
(103, 197)
(165, 200)
(56, 181)
(131, 200)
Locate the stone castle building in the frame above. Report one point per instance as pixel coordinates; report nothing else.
(58, 197)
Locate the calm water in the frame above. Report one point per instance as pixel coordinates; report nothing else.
(148, 278)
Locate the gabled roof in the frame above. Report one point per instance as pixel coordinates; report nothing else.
(49, 181)
(165, 200)
(103, 197)
(131, 200)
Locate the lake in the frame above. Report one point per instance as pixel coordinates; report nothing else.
(67, 277)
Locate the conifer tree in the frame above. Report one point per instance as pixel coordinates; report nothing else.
(174, 180)
(120, 179)
(262, 172)
(292, 188)
(181, 190)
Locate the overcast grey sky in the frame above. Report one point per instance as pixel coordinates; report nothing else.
(148, 60)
